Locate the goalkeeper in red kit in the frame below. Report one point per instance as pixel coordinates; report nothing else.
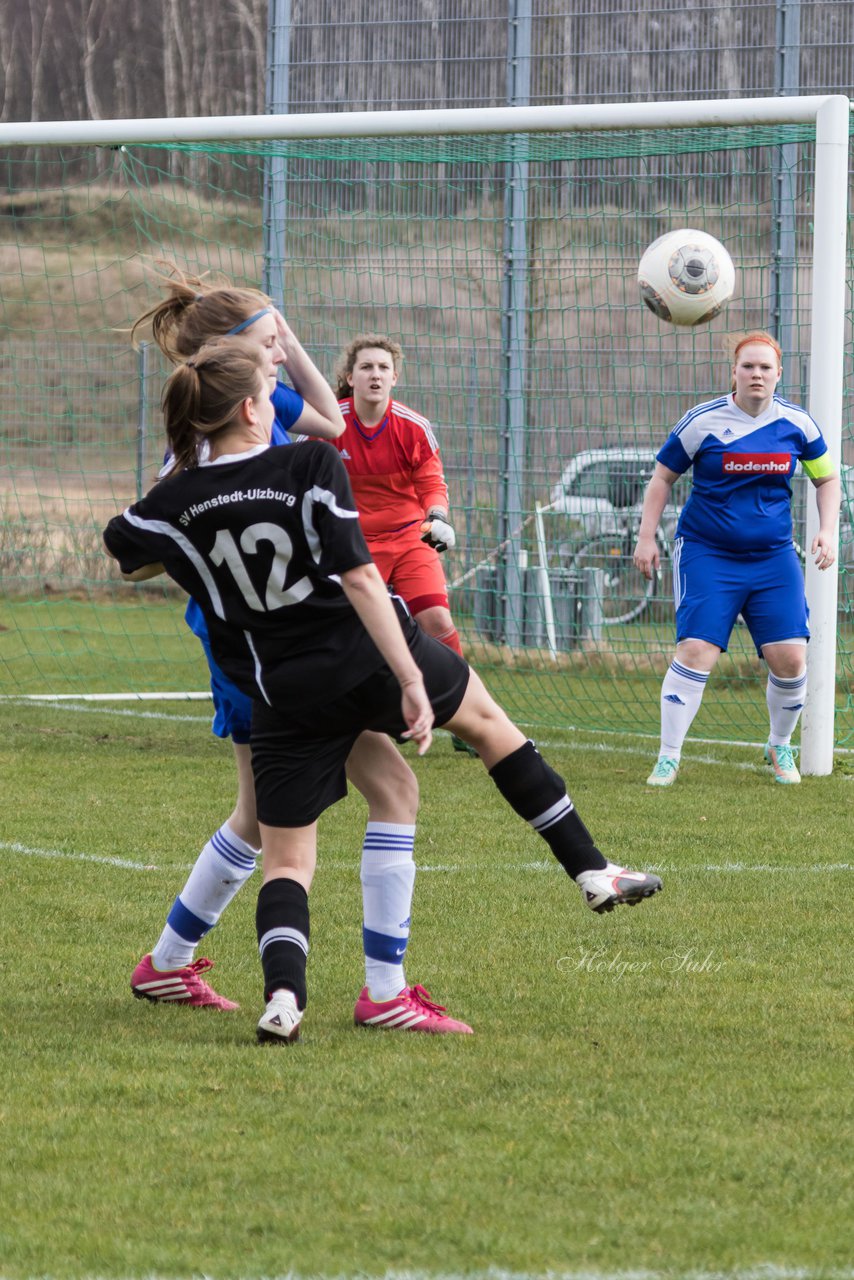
(395, 470)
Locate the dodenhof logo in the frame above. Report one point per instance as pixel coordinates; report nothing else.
(769, 464)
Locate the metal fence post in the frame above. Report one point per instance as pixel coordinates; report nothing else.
(141, 416)
(784, 231)
(514, 331)
(275, 166)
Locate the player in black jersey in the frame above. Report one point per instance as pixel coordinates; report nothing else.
(191, 311)
(267, 540)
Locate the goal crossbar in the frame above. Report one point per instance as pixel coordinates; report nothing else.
(425, 123)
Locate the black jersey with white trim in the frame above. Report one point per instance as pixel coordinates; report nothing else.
(258, 540)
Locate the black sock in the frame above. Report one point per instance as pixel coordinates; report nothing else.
(538, 794)
(281, 919)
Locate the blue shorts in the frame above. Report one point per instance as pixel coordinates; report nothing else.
(711, 589)
(232, 709)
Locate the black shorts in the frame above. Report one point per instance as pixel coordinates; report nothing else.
(298, 760)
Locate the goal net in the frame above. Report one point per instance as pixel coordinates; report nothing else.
(505, 266)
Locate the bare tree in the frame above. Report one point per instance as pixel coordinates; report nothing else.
(72, 59)
(13, 19)
(95, 35)
(40, 77)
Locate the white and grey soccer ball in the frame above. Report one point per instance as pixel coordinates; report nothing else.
(686, 277)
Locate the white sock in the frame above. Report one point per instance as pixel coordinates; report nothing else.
(222, 867)
(785, 700)
(388, 879)
(681, 695)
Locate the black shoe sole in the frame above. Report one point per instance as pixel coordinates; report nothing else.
(627, 902)
(270, 1037)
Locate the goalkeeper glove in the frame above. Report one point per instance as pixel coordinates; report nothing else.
(439, 534)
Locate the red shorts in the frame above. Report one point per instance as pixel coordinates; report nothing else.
(412, 568)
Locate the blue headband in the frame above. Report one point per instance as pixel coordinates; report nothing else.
(244, 324)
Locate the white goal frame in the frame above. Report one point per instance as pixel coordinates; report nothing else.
(830, 115)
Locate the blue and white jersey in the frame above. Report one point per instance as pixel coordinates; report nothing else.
(288, 405)
(741, 494)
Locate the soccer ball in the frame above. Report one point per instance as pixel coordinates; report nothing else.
(686, 277)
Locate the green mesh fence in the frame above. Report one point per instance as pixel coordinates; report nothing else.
(506, 268)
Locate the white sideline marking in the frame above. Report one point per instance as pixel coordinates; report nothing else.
(450, 868)
(120, 711)
(653, 737)
(104, 697)
(735, 867)
(67, 705)
(71, 702)
(601, 747)
(669, 867)
(762, 1271)
(644, 751)
(767, 1271)
(14, 847)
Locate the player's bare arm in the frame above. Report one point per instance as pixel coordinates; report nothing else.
(321, 416)
(646, 554)
(828, 495)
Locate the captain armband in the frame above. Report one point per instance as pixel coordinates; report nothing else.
(819, 468)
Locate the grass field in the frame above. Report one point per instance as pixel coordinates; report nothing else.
(65, 645)
(662, 1090)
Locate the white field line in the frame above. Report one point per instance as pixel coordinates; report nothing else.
(134, 715)
(768, 1271)
(73, 701)
(603, 747)
(65, 702)
(450, 868)
(105, 697)
(715, 868)
(11, 846)
(763, 1271)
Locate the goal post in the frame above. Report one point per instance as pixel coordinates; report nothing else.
(499, 245)
(827, 355)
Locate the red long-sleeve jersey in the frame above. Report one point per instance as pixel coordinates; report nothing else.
(395, 469)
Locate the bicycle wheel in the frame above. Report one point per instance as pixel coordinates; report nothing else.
(625, 592)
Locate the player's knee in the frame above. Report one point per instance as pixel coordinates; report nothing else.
(786, 661)
(405, 793)
(699, 655)
(788, 669)
(484, 725)
(392, 793)
(436, 622)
